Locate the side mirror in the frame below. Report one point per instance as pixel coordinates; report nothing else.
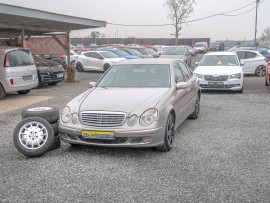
(242, 63)
(181, 85)
(197, 63)
(92, 84)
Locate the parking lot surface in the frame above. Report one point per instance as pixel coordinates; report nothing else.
(224, 156)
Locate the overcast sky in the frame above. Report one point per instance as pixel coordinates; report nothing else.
(153, 12)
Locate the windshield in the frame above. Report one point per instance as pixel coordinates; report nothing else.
(199, 45)
(134, 75)
(147, 51)
(219, 60)
(121, 53)
(174, 51)
(109, 54)
(134, 52)
(214, 45)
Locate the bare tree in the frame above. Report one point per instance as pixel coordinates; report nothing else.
(179, 11)
(266, 34)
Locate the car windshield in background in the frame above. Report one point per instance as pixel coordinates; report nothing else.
(108, 54)
(147, 51)
(219, 60)
(134, 52)
(214, 45)
(199, 45)
(121, 53)
(137, 76)
(173, 51)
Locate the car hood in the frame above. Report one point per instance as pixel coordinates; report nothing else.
(129, 100)
(220, 70)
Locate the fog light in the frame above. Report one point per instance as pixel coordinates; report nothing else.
(146, 139)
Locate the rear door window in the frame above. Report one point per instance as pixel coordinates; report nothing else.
(21, 58)
(250, 55)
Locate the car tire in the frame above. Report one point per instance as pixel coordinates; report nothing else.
(106, 67)
(79, 67)
(55, 128)
(241, 90)
(2, 92)
(33, 136)
(169, 135)
(196, 111)
(260, 71)
(53, 83)
(50, 114)
(22, 92)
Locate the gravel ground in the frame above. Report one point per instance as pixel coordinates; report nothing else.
(224, 156)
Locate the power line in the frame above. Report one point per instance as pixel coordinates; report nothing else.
(199, 19)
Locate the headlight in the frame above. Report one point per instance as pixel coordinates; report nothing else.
(200, 76)
(132, 120)
(66, 114)
(236, 76)
(148, 117)
(75, 118)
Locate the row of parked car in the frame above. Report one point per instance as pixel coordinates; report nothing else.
(20, 71)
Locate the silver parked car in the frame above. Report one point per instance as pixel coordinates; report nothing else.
(137, 103)
(177, 52)
(18, 72)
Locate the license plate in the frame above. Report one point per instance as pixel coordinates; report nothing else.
(28, 77)
(216, 84)
(60, 75)
(101, 135)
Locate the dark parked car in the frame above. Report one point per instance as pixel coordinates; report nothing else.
(147, 51)
(49, 72)
(216, 46)
(57, 58)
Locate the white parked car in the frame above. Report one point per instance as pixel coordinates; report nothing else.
(96, 60)
(201, 47)
(255, 63)
(220, 71)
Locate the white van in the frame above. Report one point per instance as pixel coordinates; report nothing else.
(18, 72)
(201, 47)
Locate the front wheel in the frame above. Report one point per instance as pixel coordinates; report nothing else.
(79, 67)
(260, 71)
(106, 67)
(169, 135)
(2, 92)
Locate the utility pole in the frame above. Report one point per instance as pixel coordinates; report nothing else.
(255, 40)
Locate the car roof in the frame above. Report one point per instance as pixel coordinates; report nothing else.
(148, 61)
(227, 53)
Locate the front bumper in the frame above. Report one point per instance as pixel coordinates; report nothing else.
(123, 138)
(47, 77)
(233, 85)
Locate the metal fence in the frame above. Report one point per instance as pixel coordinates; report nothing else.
(141, 41)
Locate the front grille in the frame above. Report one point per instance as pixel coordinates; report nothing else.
(102, 119)
(216, 78)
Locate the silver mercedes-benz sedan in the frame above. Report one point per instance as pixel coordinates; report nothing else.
(136, 103)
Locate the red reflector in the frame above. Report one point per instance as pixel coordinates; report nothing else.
(62, 57)
(11, 81)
